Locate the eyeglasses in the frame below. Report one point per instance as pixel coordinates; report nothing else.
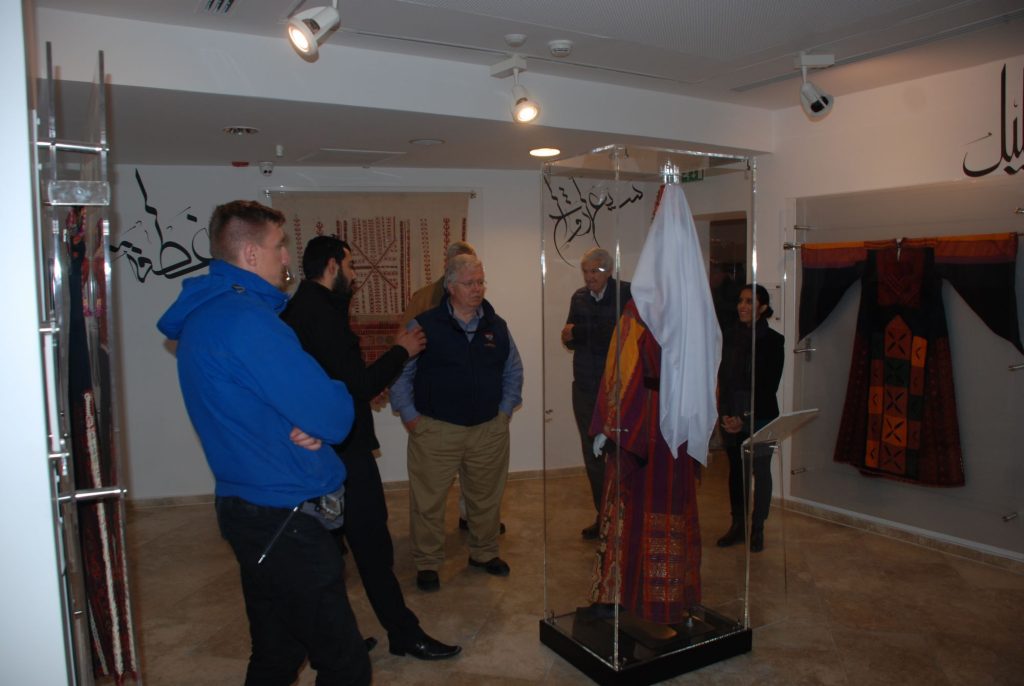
(479, 283)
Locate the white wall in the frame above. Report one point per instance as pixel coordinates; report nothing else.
(32, 649)
(165, 458)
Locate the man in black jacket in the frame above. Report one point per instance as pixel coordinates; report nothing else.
(593, 313)
(319, 314)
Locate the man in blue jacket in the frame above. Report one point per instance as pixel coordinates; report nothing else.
(456, 399)
(266, 414)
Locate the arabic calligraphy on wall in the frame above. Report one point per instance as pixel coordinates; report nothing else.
(578, 216)
(1011, 137)
(149, 249)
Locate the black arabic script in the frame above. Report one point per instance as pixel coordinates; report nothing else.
(1009, 153)
(576, 213)
(167, 258)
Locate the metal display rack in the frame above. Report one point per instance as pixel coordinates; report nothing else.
(72, 175)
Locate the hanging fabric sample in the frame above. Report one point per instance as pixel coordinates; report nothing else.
(899, 418)
(92, 447)
(398, 245)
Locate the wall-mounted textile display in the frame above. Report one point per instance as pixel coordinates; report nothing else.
(900, 419)
(398, 244)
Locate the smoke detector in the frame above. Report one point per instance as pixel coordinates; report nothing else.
(515, 40)
(560, 48)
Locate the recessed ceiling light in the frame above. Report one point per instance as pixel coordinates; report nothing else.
(545, 152)
(241, 130)
(427, 141)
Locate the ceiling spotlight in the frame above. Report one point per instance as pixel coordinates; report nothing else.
(545, 152)
(307, 29)
(523, 108)
(815, 102)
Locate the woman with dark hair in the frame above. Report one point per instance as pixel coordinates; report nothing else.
(751, 333)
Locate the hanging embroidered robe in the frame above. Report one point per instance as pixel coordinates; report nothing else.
(899, 419)
(649, 557)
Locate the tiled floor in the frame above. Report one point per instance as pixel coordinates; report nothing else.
(835, 605)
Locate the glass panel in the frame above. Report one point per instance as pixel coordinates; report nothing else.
(970, 397)
(604, 522)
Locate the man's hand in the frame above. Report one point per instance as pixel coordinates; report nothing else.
(380, 401)
(411, 424)
(304, 440)
(413, 340)
(567, 333)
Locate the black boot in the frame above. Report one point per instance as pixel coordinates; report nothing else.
(757, 538)
(734, 535)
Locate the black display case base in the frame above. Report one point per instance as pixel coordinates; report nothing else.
(648, 653)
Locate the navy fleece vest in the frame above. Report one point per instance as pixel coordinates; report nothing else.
(457, 380)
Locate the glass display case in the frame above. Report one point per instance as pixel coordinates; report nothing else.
(638, 586)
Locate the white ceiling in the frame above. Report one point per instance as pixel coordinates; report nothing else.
(737, 51)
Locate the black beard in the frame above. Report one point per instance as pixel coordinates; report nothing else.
(341, 286)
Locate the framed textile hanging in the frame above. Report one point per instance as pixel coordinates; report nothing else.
(398, 242)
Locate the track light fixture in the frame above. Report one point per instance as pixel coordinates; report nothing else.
(524, 109)
(307, 29)
(815, 102)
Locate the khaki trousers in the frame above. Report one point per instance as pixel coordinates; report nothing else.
(437, 452)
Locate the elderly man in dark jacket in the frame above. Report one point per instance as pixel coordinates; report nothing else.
(593, 313)
(319, 314)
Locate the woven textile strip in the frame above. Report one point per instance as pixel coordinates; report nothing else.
(398, 243)
(92, 446)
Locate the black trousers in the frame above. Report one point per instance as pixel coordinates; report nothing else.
(295, 600)
(762, 473)
(366, 530)
(583, 410)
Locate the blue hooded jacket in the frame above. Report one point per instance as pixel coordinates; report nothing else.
(246, 382)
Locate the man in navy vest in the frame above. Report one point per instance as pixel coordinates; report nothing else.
(456, 399)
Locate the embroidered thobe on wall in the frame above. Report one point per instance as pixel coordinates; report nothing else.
(899, 419)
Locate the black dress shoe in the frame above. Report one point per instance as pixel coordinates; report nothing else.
(428, 581)
(734, 535)
(757, 540)
(464, 525)
(495, 566)
(591, 533)
(426, 648)
(370, 642)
